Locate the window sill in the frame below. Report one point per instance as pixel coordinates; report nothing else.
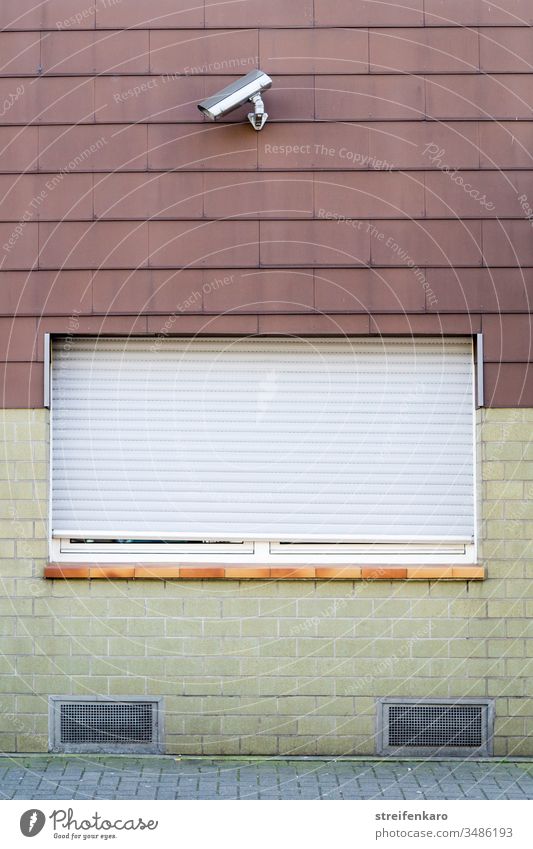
(350, 573)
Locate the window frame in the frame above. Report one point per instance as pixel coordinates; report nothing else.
(67, 546)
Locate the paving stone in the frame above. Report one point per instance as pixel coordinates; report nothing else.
(168, 778)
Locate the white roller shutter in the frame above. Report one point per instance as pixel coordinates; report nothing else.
(277, 438)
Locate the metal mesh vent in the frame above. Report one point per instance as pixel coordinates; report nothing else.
(101, 724)
(107, 723)
(447, 726)
(435, 725)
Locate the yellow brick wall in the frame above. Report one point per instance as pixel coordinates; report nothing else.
(258, 667)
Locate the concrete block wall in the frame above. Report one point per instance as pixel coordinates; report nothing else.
(266, 667)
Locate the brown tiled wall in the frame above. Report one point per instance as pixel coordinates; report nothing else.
(120, 206)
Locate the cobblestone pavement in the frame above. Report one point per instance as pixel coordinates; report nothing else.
(105, 777)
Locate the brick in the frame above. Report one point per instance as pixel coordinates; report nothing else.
(242, 572)
(157, 572)
(91, 148)
(505, 608)
(368, 291)
(503, 529)
(505, 687)
(205, 325)
(287, 195)
(22, 384)
(509, 385)
(163, 14)
(360, 98)
(476, 12)
(505, 451)
(507, 338)
(47, 198)
(423, 144)
(424, 324)
(17, 337)
(519, 431)
(258, 291)
(428, 243)
(109, 244)
(493, 510)
(505, 50)
(294, 573)
(48, 100)
(201, 52)
(53, 571)
(111, 572)
(141, 196)
(209, 147)
(41, 293)
(349, 13)
(369, 195)
(256, 13)
(148, 98)
(429, 572)
(340, 572)
(381, 573)
(429, 51)
(479, 289)
(32, 548)
(147, 291)
(25, 14)
(316, 145)
(314, 51)
(507, 243)
(478, 96)
(306, 243)
(505, 144)
(214, 244)
(472, 194)
(18, 149)
(469, 572)
(504, 490)
(20, 53)
(122, 686)
(79, 52)
(32, 743)
(112, 325)
(198, 572)
(19, 245)
(313, 325)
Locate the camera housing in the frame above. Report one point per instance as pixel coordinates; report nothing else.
(247, 88)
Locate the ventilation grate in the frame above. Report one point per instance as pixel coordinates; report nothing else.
(106, 725)
(447, 727)
(435, 725)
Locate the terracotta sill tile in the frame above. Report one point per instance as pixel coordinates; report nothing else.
(52, 571)
(434, 572)
(112, 572)
(203, 572)
(242, 572)
(347, 572)
(293, 572)
(377, 573)
(477, 573)
(157, 572)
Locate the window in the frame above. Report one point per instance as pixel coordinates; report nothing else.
(263, 450)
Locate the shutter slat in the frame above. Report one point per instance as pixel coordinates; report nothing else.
(269, 436)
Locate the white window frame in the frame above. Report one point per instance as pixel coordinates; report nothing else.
(69, 549)
(70, 546)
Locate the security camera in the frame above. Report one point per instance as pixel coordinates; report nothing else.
(248, 88)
